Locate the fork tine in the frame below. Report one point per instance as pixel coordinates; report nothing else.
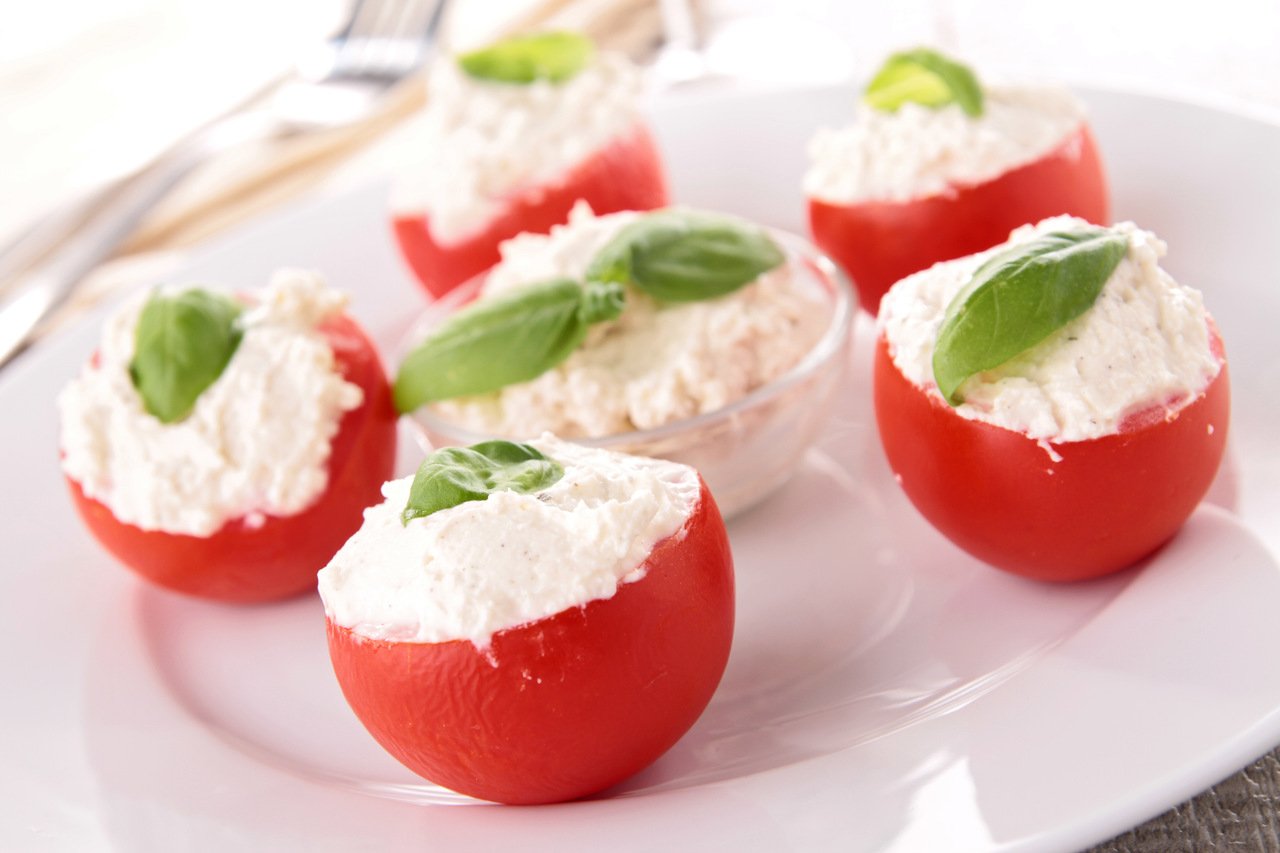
(407, 30)
(368, 19)
(357, 21)
(387, 37)
(426, 27)
(424, 20)
(354, 48)
(419, 15)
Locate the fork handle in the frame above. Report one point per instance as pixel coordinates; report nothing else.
(53, 256)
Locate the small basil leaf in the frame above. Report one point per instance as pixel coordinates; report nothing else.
(497, 341)
(683, 256)
(455, 475)
(924, 77)
(182, 344)
(1021, 296)
(553, 56)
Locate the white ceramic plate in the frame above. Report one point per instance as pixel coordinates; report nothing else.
(885, 692)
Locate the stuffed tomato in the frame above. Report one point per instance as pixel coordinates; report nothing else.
(542, 634)
(225, 447)
(929, 172)
(1086, 449)
(509, 146)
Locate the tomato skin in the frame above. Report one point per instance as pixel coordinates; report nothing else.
(996, 493)
(626, 174)
(877, 243)
(241, 562)
(565, 706)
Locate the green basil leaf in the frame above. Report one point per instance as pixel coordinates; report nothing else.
(497, 341)
(683, 256)
(455, 475)
(182, 344)
(924, 77)
(1021, 296)
(553, 56)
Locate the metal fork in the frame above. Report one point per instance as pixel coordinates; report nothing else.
(341, 82)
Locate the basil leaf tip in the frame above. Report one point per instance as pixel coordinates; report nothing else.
(683, 256)
(926, 77)
(456, 475)
(551, 56)
(182, 343)
(1021, 296)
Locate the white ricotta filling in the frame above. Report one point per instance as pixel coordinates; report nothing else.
(483, 141)
(918, 151)
(257, 441)
(1145, 342)
(655, 364)
(467, 572)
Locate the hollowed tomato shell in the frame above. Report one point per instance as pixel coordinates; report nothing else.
(565, 706)
(1107, 503)
(626, 174)
(877, 243)
(279, 557)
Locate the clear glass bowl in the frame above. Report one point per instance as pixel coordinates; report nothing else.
(744, 450)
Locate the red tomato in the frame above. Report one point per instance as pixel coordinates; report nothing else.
(878, 243)
(564, 706)
(996, 493)
(626, 174)
(245, 562)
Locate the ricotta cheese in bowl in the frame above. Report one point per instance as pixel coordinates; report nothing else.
(1058, 405)
(282, 431)
(498, 157)
(937, 165)
(546, 634)
(736, 385)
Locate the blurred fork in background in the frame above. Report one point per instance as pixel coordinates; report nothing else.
(343, 82)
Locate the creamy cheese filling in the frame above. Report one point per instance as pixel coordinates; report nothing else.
(1145, 342)
(467, 572)
(918, 151)
(482, 141)
(257, 442)
(657, 363)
